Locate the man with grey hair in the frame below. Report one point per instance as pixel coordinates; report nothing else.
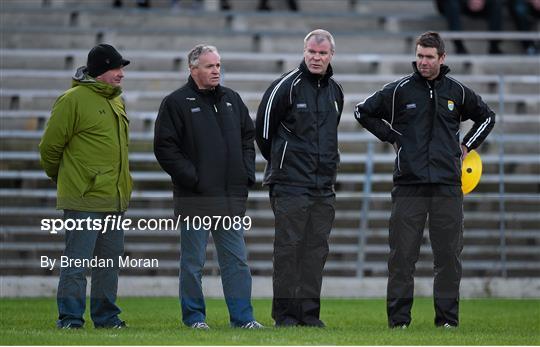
(296, 130)
(204, 140)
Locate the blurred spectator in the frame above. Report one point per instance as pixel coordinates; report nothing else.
(195, 4)
(524, 12)
(225, 5)
(491, 10)
(140, 3)
(263, 5)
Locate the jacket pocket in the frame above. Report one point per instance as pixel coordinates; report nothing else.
(90, 180)
(98, 182)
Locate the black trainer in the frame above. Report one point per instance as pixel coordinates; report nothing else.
(287, 323)
(69, 326)
(119, 325)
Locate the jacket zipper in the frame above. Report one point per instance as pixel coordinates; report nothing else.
(118, 134)
(227, 163)
(433, 98)
(283, 155)
(318, 135)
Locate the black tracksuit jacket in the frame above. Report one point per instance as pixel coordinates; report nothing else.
(423, 120)
(205, 141)
(296, 126)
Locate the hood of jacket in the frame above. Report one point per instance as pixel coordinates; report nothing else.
(81, 78)
(315, 78)
(210, 95)
(444, 70)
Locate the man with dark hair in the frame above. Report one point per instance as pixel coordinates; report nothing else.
(296, 126)
(204, 141)
(420, 115)
(84, 149)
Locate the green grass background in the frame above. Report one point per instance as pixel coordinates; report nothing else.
(156, 321)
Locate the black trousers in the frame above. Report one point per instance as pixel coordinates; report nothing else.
(303, 220)
(411, 205)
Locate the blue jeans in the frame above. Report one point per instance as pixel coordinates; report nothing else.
(235, 274)
(87, 244)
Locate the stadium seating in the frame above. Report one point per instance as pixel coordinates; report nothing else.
(44, 41)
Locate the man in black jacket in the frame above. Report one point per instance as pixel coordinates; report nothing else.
(420, 114)
(297, 134)
(204, 141)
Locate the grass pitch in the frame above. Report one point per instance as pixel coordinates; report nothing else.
(156, 321)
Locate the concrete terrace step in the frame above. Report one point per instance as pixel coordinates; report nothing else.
(248, 40)
(150, 100)
(142, 81)
(270, 61)
(160, 176)
(377, 268)
(142, 124)
(344, 137)
(324, 6)
(530, 121)
(261, 232)
(48, 212)
(266, 248)
(346, 158)
(209, 20)
(262, 195)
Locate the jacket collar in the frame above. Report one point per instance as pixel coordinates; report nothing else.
(314, 78)
(81, 78)
(216, 92)
(444, 70)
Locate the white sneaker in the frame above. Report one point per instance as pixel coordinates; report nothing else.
(200, 325)
(252, 325)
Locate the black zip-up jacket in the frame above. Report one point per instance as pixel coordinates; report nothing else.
(296, 129)
(422, 118)
(205, 141)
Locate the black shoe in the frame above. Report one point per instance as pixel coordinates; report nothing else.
(447, 326)
(70, 326)
(314, 323)
(287, 322)
(399, 326)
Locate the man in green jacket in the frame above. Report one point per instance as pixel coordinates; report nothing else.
(85, 151)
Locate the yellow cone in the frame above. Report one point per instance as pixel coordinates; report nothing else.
(471, 170)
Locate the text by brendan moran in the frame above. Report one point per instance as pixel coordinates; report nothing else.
(121, 262)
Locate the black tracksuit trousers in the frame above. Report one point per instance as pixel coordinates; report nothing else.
(303, 221)
(411, 205)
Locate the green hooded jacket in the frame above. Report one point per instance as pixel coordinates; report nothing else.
(84, 148)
